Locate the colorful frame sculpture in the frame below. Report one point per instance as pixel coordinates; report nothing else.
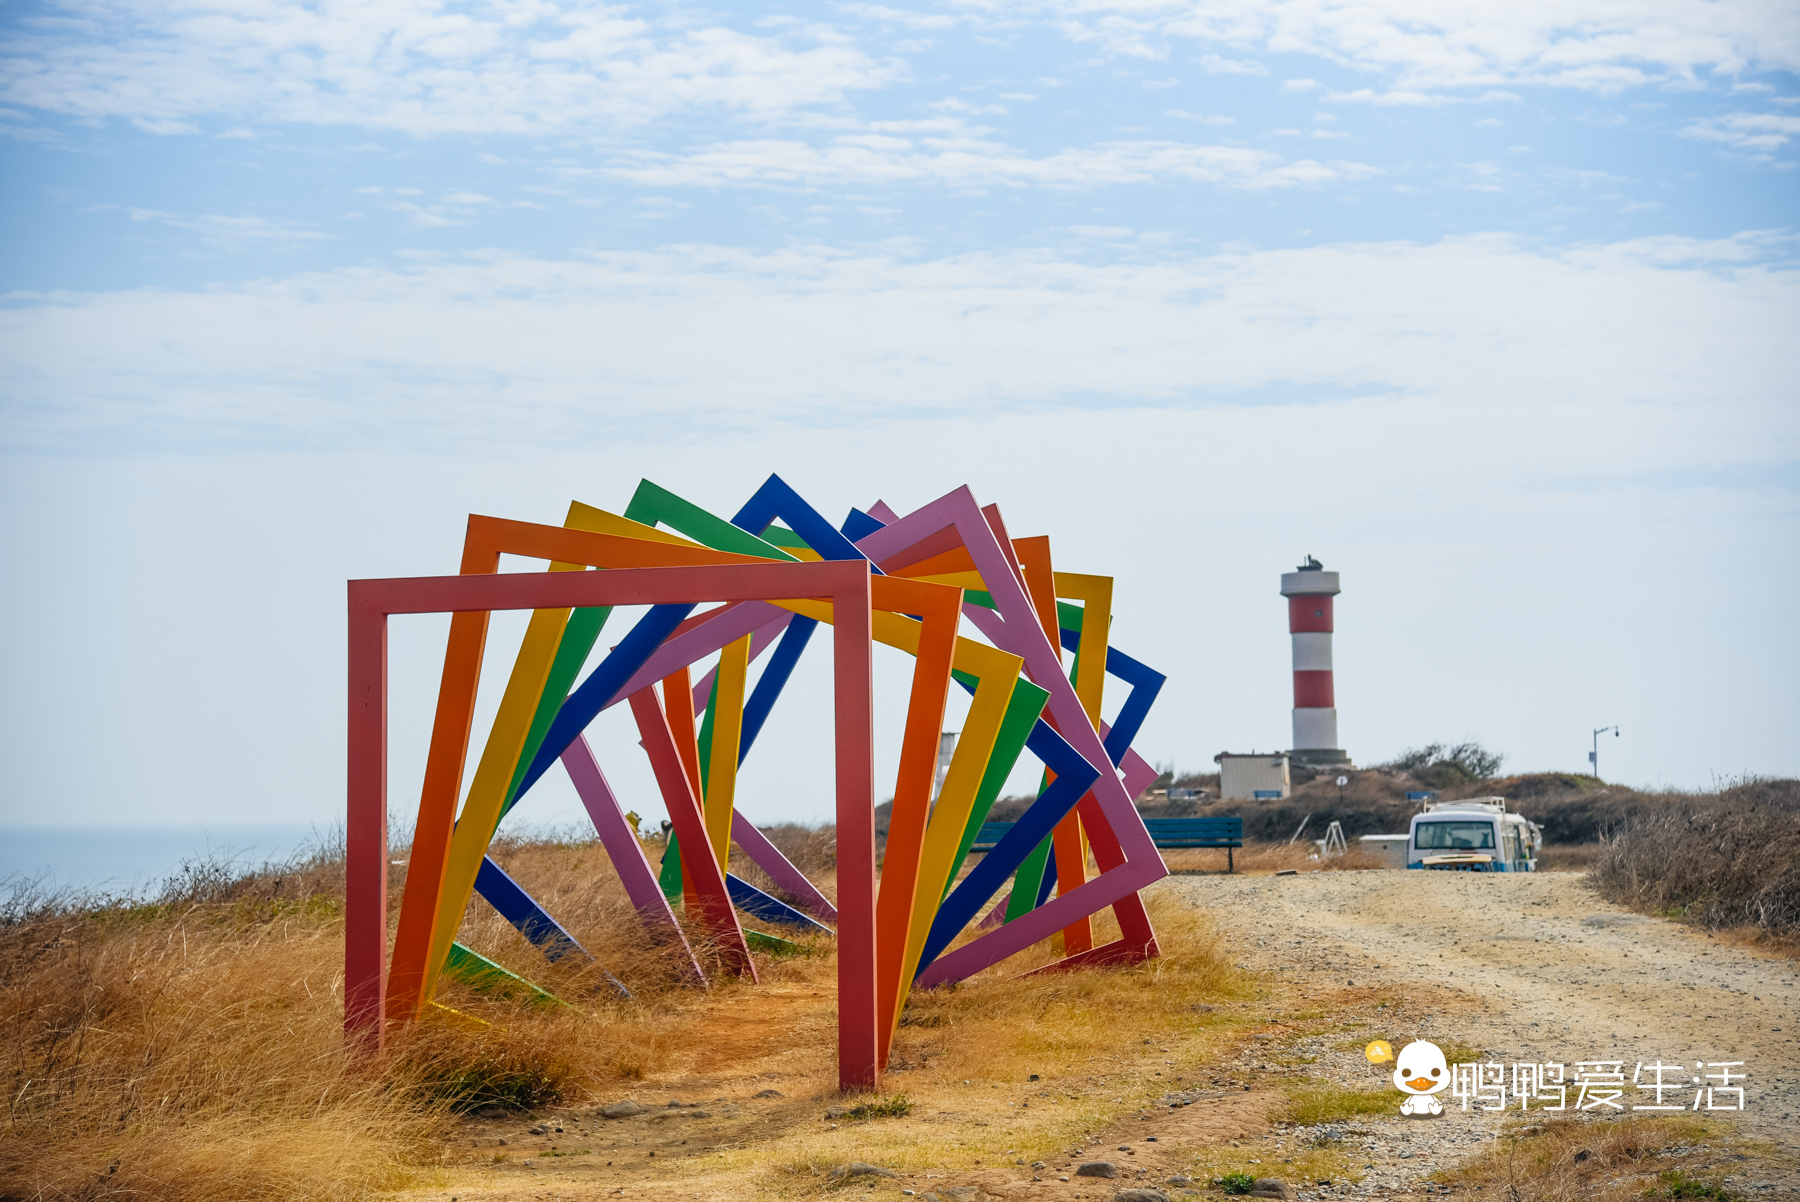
(906, 581)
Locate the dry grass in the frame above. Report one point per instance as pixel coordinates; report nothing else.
(1733, 861)
(1569, 857)
(1601, 1160)
(1259, 856)
(1099, 1043)
(191, 1047)
(1786, 944)
(148, 1048)
(1314, 1101)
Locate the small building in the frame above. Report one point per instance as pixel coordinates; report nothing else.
(1253, 777)
(1384, 851)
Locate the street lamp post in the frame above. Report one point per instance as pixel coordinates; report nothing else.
(1594, 755)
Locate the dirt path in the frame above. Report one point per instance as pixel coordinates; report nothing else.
(1522, 969)
(1543, 971)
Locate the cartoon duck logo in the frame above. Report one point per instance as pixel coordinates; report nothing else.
(1420, 1070)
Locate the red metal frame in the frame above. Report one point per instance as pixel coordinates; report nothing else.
(702, 879)
(846, 584)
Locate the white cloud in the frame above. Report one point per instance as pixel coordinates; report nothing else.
(1482, 177)
(905, 18)
(226, 232)
(970, 161)
(557, 352)
(1597, 45)
(414, 66)
(956, 104)
(1391, 99)
(539, 67)
(1597, 413)
(164, 126)
(1415, 99)
(1747, 131)
(1231, 66)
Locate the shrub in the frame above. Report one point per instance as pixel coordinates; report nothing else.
(884, 1108)
(1313, 1102)
(1730, 860)
(1236, 1183)
(1569, 1159)
(187, 1050)
(1450, 765)
(1676, 1184)
(466, 1071)
(1571, 809)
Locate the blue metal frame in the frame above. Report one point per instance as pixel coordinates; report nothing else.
(757, 904)
(532, 920)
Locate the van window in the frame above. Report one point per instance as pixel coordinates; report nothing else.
(1453, 836)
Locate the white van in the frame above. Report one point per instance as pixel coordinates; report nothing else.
(1477, 835)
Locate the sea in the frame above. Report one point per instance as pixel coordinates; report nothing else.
(136, 860)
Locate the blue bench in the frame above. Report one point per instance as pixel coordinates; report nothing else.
(1226, 833)
(990, 835)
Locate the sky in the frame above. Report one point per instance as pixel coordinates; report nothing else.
(1490, 307)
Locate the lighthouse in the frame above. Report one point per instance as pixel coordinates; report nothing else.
(1309, 591)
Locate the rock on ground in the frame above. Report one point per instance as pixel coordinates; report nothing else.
(857, 1168)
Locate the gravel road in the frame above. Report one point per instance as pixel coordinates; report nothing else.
(1544, 971)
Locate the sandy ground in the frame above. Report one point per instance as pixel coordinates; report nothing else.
(1533, 968)
(1528, 968)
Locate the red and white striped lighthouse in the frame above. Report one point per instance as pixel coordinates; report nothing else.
(1309, 591)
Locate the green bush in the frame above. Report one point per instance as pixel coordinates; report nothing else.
(1313, 1101)
(884, 1108)
(1443, 767)
(1236, 1183)
(1676, 1184)
(493, 1071)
